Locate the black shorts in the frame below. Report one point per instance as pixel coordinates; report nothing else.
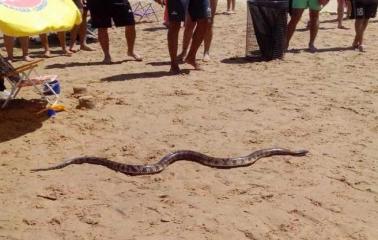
(363, 10)
(104, 11)
(197, 9)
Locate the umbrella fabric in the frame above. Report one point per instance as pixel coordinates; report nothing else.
(20, 18)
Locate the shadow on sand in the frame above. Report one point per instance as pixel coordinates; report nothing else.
(155, 29)
(241, 60)
(320, 28)
(81, 64)
(321, 50)
(164, 63)
(20, 117)
(143, 75)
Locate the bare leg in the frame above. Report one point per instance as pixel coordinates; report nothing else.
(209, 32)
(188, 34)
(24, 41)
(73, 34)
(45, 44)
(103, 38)
(173, 31)
(295, 17)
(357, 27)
(130, 35)
(73, 37)
(228, 6)
(314, 26)
(360, 25)
(349, 7)
(9, 44)
(83, 33)
(198, 37)
(233, 6)
(63, 44)
(340, 13)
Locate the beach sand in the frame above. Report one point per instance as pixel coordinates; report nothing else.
(325, 102)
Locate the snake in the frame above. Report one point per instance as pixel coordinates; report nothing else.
(163, 163)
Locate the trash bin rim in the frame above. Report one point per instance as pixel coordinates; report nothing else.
(267, 1)
(282, 4)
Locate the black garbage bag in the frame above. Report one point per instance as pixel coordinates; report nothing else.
(269, 20)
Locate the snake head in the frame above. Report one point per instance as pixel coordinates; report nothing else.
(301, 152)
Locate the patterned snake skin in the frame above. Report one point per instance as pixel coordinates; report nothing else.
(176, 156)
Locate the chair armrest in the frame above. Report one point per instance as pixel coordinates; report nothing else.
(27, 66)
(19, 70)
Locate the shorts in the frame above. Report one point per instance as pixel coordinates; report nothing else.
(197, 9)
(363, 10)
(104, 11)
(303, 4)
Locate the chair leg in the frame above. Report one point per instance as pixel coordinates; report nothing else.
(156, 17)
(150, 11)
(11, 96)
(5, 103)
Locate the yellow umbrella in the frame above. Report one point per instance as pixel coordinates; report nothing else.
(20, 18)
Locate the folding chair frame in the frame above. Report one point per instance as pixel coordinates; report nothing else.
(25, 72)
(143, 11)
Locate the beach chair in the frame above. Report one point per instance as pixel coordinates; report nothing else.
(26, 76)
(144, 10)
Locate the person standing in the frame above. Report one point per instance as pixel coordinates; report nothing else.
(188, 33)
(102, 13)
(81, 29)
(298, 7)
(9, 44)
(362, 11)
(230, 7)
(62, 42)
(200, 12)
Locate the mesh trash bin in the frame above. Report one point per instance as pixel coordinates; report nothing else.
(266, 29)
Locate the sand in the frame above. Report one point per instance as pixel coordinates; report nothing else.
(325, 102)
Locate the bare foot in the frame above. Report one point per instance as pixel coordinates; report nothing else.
(355, 44)
(312, 48)
(73, 50)
(194, 64)
(107, 60)
(47, 54)
(175, 69)
(86, 48)
(135, 56)
(206, 57)
(342, 27)
(361, 48)
(67, 53)
(27, 58)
